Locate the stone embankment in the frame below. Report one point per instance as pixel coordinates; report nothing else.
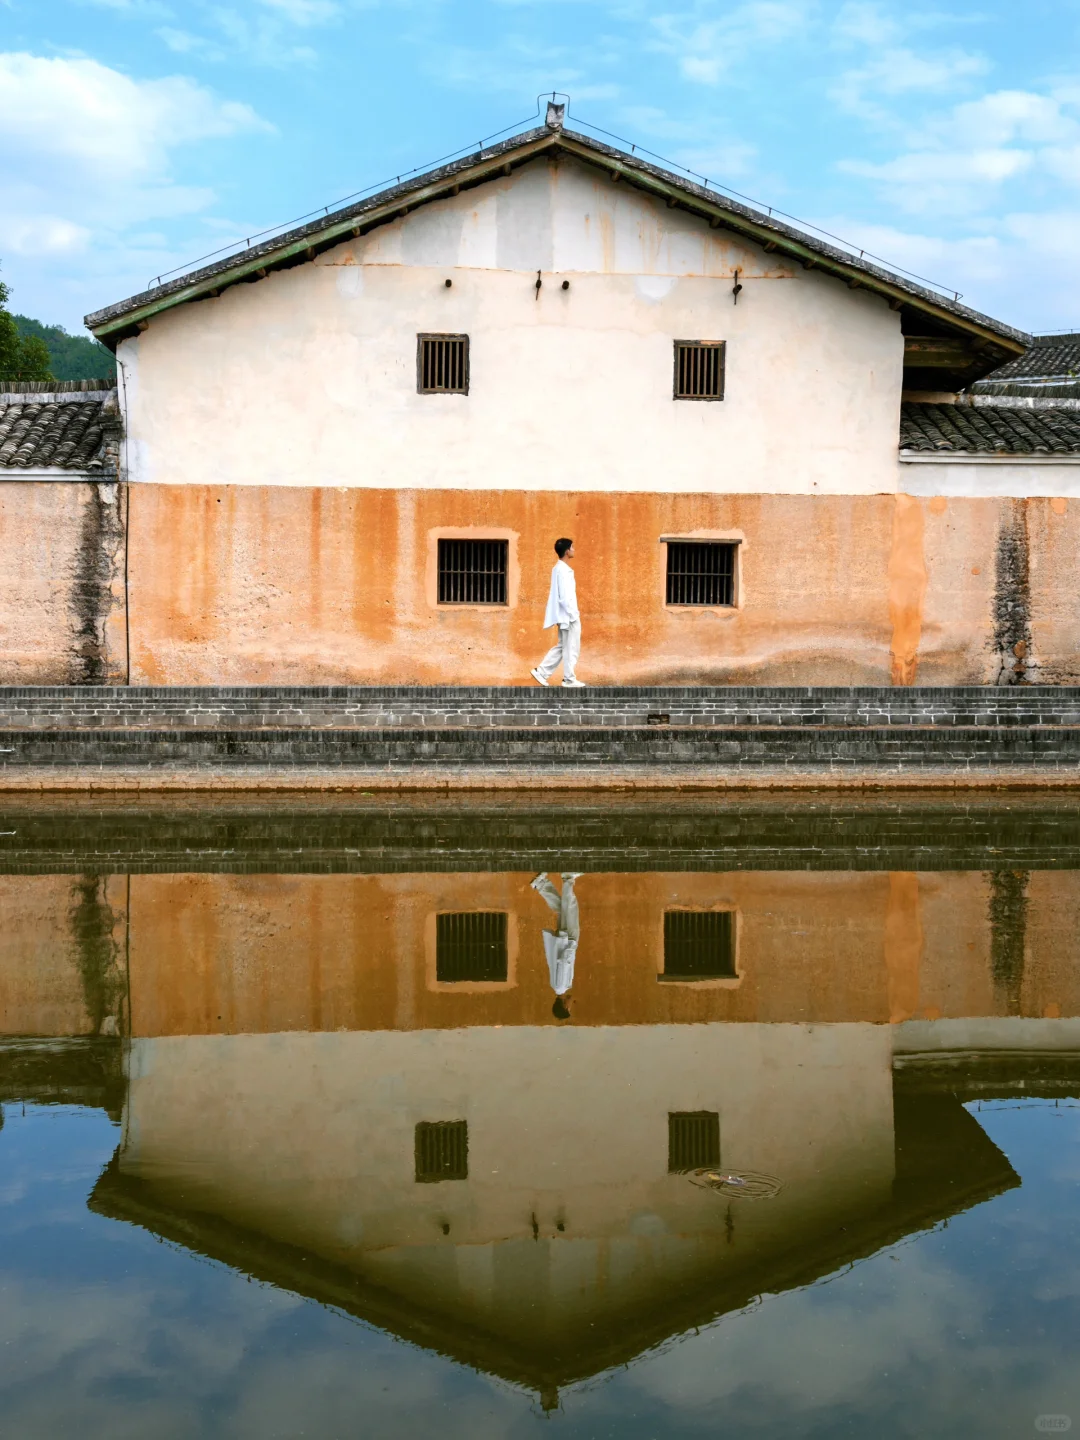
(637, 737)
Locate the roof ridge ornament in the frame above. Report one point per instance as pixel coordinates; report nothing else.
(556, 114)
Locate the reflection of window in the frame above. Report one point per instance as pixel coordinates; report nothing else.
(471, 947)
(699, 945)
(442, 1151)
(693, 1140)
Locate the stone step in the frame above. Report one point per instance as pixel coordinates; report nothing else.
(445, 707)
(892, 748)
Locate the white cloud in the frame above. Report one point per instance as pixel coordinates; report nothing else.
(86, 153)
(707, 48)
(898, 71)
(304, 12)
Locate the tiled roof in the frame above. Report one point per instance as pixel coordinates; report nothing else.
(991, 430)
(1051, 357)
(63, 431)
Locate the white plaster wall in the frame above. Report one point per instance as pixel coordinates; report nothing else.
(1025, 478)
(308, 377)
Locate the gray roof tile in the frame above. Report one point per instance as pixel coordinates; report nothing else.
(989, 430)
(37, 432)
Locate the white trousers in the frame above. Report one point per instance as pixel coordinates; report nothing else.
(567, 648)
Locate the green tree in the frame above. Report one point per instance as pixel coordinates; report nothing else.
(20, 358)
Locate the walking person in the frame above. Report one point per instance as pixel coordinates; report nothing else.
(560, 945)
(562, 611)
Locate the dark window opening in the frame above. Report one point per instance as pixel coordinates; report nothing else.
(699, 945)
(442, 364)
(442, 1151)
(700, 573)
(693, 1140)
(473, 572)
(699, 370)
(471, 947)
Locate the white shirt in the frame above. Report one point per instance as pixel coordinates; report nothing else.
(561, 952)
(562, 598)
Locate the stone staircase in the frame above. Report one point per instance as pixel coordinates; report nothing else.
(354, 736)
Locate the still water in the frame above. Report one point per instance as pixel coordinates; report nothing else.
(498, 1119)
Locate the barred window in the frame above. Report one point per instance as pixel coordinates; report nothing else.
(442, 1151)
(699, 945)
(473, 572)
(700, 572)
(471, 947)
(699, 369)
(693, 1140)
(442, 364)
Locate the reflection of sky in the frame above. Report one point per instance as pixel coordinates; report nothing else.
(105, 1331)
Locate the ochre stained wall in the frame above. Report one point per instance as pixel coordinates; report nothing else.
(225, 954)
(258, 585)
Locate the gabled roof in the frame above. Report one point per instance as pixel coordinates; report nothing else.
(114, 322)
(58, 427)
(986, 429)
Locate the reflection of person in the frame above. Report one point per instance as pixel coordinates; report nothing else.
(560, 944)
(562, 611)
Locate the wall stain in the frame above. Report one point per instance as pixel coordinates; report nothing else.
(907, 589)
(1012, 595)
(1007, 910)
(100, 962)
(99, 563)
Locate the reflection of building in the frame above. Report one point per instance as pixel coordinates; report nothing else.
(562, 1244)
(234, 952)
(341, 1085)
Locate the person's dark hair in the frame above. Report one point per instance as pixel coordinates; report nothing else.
(560, 1009)
(561, 547)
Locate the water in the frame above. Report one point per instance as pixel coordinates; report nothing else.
(299, 1139)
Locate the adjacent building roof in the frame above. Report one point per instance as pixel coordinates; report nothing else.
(993, 430)
(1050, 369)
(295, 246)
(61, 427)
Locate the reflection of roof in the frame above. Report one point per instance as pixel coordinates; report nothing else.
(58, 428)
(945, 1163)
(989, 430)
(84, 1071)
(306, 241)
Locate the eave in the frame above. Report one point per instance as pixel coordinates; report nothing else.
(127, 317)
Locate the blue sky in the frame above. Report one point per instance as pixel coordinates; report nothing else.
(138, 134)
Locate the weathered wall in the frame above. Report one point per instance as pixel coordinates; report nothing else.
(62, 616)
(227, 953)
(63, 955)
(251, 585)
(308, 377)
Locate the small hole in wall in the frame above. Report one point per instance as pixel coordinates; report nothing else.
(448, 284)
(566, 284)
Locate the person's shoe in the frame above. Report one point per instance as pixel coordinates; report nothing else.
(534, 883)
(538, 678)
(573, 684)
(572, 874)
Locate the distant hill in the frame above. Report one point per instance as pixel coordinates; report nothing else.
(71, 357)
